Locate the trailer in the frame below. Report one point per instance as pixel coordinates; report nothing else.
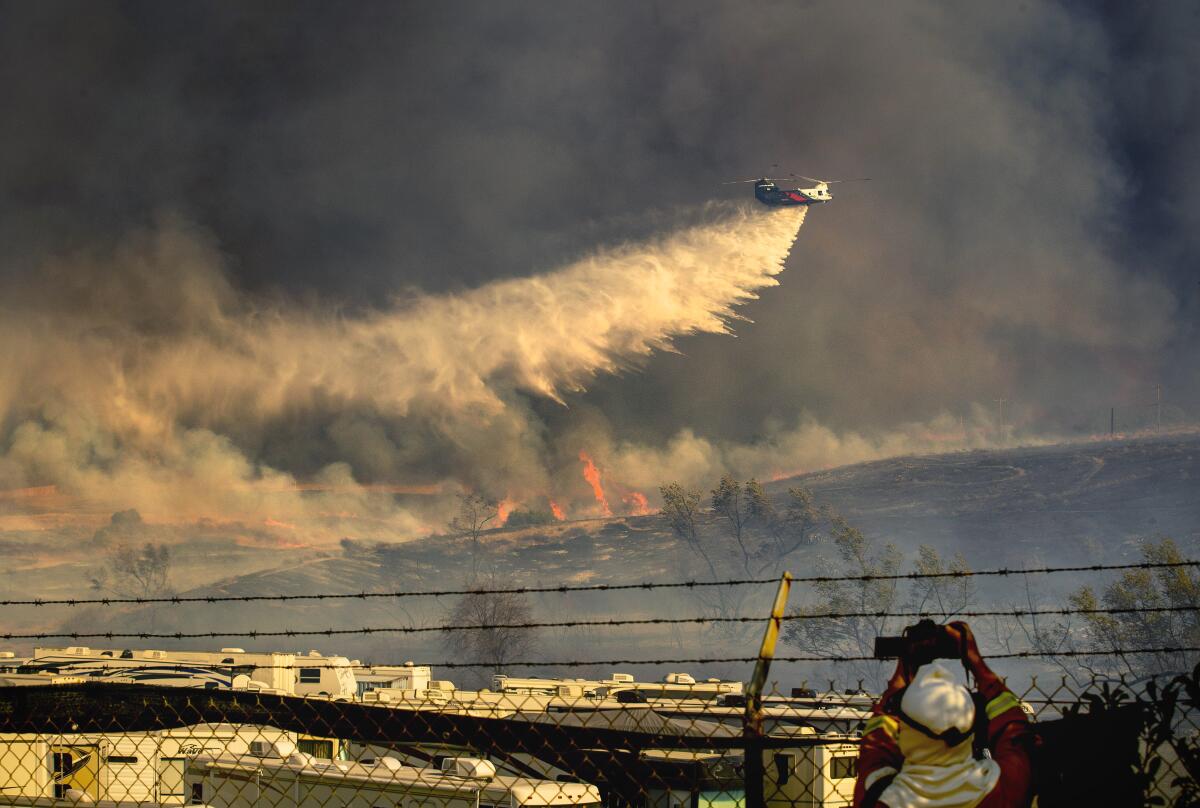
(139, 767)
(287, 778)
(311, 674)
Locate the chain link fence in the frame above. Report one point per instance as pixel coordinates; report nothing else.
(414, 742)
(232, 729)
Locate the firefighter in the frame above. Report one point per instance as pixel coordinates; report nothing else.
(920, 747)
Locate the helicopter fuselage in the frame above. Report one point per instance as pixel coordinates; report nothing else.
(769, 193)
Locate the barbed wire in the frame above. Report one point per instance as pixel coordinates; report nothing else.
(565, 588)
(576, 663)
(609, 623)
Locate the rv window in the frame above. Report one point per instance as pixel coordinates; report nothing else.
(310, 675)
(122, 759)
(210, 685)
(843, 767)
(106, 653)
(197, 793)
(785, 764)
(322, 750)
(170, 779)
(127, 654)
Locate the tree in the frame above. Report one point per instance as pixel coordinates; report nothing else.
(940, 596)
(758, 540)
(728, 504)
(788, 530)
(1167, 587)
(681, 508)
(475, 511)
(140, 573)
(494, 647)
(851, 636)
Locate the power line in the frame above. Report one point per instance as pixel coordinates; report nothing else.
(566, 588)
(610, 623)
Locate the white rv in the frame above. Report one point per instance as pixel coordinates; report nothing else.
(312, 674)
(408, 677)
(140, 767)
(289, 778)
(819, 776)
(623, 686)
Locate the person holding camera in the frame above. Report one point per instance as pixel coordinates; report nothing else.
(931, 743)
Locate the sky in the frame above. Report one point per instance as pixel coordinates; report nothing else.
(267, 261)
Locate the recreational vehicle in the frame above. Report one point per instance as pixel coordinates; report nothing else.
(140, 767)
(284, 776)
(393, 677)
(312, 674)
(624, 687)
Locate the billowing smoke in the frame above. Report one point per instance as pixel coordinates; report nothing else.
(1028, 235)
(143, 379)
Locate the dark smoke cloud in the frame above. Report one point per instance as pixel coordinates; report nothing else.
(1028, 233)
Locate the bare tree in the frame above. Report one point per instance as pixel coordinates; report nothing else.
(1046, 635)
(496, 647)
(135, 573)
(475, 511)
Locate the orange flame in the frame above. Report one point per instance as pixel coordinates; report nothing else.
(592, 475)
(557, 510)
(503, 510)
(636, 503)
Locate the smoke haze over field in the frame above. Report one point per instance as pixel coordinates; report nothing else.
(143, 379)
(321, 268)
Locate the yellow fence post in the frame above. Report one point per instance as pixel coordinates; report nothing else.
(752, 719)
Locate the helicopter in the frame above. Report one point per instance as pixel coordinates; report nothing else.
(770, 193)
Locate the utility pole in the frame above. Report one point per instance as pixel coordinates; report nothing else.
(1001, 401)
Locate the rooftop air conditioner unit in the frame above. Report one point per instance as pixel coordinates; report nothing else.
(622, 677)
(679, 679)
(233, 650)
(474, 768)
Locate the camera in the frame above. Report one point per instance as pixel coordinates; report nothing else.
(919, 644)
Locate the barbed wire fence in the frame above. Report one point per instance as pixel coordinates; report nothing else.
(92, 728)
